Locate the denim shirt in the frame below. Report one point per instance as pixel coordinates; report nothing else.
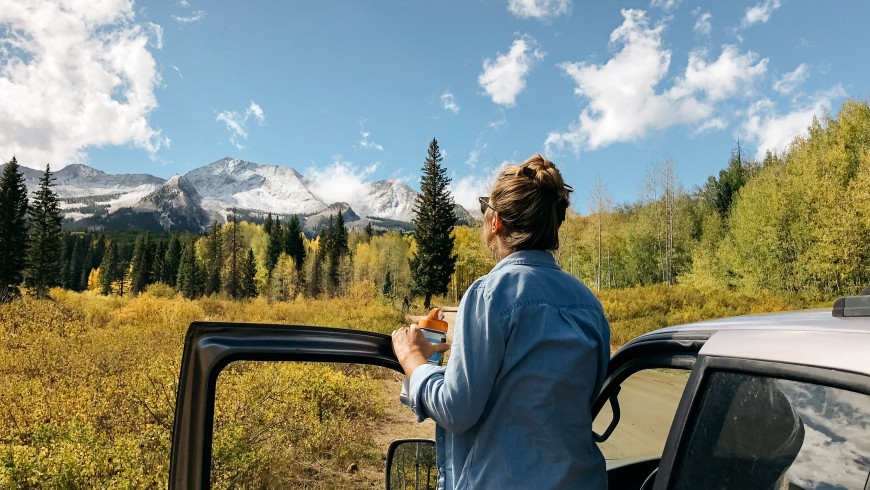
(512, 408)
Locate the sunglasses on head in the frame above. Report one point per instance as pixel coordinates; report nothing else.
(484, 203)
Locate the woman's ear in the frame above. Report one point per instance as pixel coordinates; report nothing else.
(496, 225)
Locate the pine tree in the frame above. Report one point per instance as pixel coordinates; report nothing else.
(108, 268)
(434, 262)
(268, 224)
(158, 266)
(234, 257)
(189, 282)
(275, 245)
(172, 261)
(13, 230)
(387, 290)
(249, 285)
(46, 246)
(214, 260)
(294, 245)
(140, 267)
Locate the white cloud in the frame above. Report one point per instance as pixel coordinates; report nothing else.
(760, 13)
(504, 78)
(714, 124)
(474, 154)
(340, 181)
(539, 9)
(237, 124)
(499, 123)
(703, 25)
(792, 80)
(771, 131)
(666, 4)
(624, 103)
(726, 76)
(189, 19)
(78, 75)
(184, 3)
(467, 189)
(157, 32)
(448, 103)
(178, 71)
(365, 142)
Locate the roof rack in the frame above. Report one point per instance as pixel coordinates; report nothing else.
(849, 306)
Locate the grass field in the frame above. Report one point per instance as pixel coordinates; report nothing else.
(87, 386)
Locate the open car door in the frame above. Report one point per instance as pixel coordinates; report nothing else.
(209, 347)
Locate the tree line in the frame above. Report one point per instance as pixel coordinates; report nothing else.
(239, 259)
(791, 222)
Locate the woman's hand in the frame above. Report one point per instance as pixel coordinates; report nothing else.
(412, 349)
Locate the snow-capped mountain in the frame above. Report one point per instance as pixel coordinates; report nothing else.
(92, 199)
(250, 186)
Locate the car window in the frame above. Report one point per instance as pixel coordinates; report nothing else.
(647, 403)
(299, 424)
(756, 432)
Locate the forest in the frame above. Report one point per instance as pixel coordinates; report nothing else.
(792, 223)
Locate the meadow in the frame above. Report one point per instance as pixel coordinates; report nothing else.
(88, 382)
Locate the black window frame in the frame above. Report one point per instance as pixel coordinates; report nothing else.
(688, 409)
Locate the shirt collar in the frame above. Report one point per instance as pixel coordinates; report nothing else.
(528, 257)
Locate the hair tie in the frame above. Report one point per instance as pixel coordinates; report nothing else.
(527, 171)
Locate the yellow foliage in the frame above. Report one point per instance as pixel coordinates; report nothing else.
(88, 384)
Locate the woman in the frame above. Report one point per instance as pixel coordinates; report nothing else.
(529, 354)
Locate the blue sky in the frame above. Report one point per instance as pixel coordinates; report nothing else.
(353, 91)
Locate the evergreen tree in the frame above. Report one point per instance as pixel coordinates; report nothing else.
(249, 285)
(46, 246)
(189, 282)
(140, 266)
(13, 230)
(109, 268)
(234, 257)
(434, 262)
(388, 285)
(158, 267)
(75, 263)
(294, 245)
(214, 260)
(172, 261)
(94, 257)
(268, 224)
(275, 245)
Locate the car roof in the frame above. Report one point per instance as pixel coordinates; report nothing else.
(811, 320)
(807, 337)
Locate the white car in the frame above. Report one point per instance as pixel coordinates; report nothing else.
(778, 401)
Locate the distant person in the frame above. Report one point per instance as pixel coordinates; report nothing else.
(529, 355)
(406, 305)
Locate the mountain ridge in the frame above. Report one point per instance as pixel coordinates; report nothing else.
(95, 200)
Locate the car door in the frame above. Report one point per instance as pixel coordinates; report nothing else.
(210, 346)
(635, 410)
(756, 417)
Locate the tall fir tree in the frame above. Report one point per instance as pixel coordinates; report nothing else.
(434, 262)
(294, 245)
(274, 245)
(158, 266)
(189, 282)
(108, 268)
(45, 246)
(172, 261)
(140, 265)
(234, 257)
(214, 260)
(249, 284)
(13, 230)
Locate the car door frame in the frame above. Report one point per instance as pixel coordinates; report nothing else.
(211, 346)
(677, 350)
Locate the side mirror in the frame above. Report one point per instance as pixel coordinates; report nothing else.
(411, 465)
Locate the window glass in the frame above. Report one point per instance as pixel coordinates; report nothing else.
(755, 432)
(648, 401)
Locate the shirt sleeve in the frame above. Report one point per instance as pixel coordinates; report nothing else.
(455, 396)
